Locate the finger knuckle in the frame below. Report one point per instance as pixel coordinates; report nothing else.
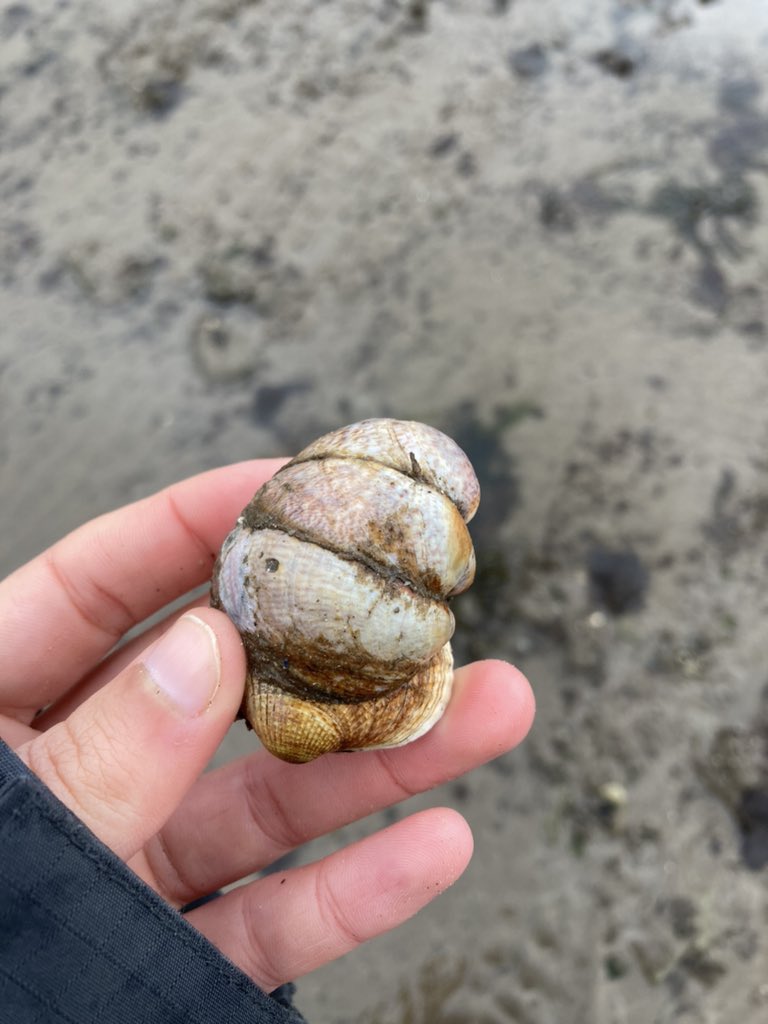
(267, 811)
(262, 963)
(332, 911)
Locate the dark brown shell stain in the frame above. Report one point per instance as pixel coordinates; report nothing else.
(321, 673)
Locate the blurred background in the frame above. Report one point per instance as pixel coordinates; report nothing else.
(227, 226)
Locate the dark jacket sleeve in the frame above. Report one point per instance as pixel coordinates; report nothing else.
(83, 940)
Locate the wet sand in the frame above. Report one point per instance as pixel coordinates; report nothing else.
(228, 226)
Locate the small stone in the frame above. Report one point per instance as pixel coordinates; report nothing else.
(444, 144)
(616, 62)
(555, 212)
(613, 793)
(530, 61)
(159, 95)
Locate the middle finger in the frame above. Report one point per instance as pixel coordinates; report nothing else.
(243, 816)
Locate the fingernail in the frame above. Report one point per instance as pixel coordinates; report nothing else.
(184, 664)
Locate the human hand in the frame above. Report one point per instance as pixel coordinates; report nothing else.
(125, 736)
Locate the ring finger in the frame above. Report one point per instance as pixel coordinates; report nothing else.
(327, 908)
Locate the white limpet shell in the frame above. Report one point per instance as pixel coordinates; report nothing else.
(337, 576)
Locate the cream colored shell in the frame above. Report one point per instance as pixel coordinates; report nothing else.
(337, 575)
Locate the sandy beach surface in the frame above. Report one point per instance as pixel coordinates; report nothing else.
(228, 226)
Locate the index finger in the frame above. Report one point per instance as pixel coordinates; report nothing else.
(63, 611)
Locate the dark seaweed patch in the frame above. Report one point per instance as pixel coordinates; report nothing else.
(618, 580)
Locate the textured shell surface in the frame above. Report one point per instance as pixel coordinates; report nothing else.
(375, 514)
(412, 448)
(337, 576)
(345, 628)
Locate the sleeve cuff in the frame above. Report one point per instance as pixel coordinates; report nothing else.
(83, 939)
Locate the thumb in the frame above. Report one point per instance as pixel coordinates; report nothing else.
(124, 758)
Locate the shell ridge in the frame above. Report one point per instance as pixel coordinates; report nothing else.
(264, 670)
(417, 475)
(267, 521)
